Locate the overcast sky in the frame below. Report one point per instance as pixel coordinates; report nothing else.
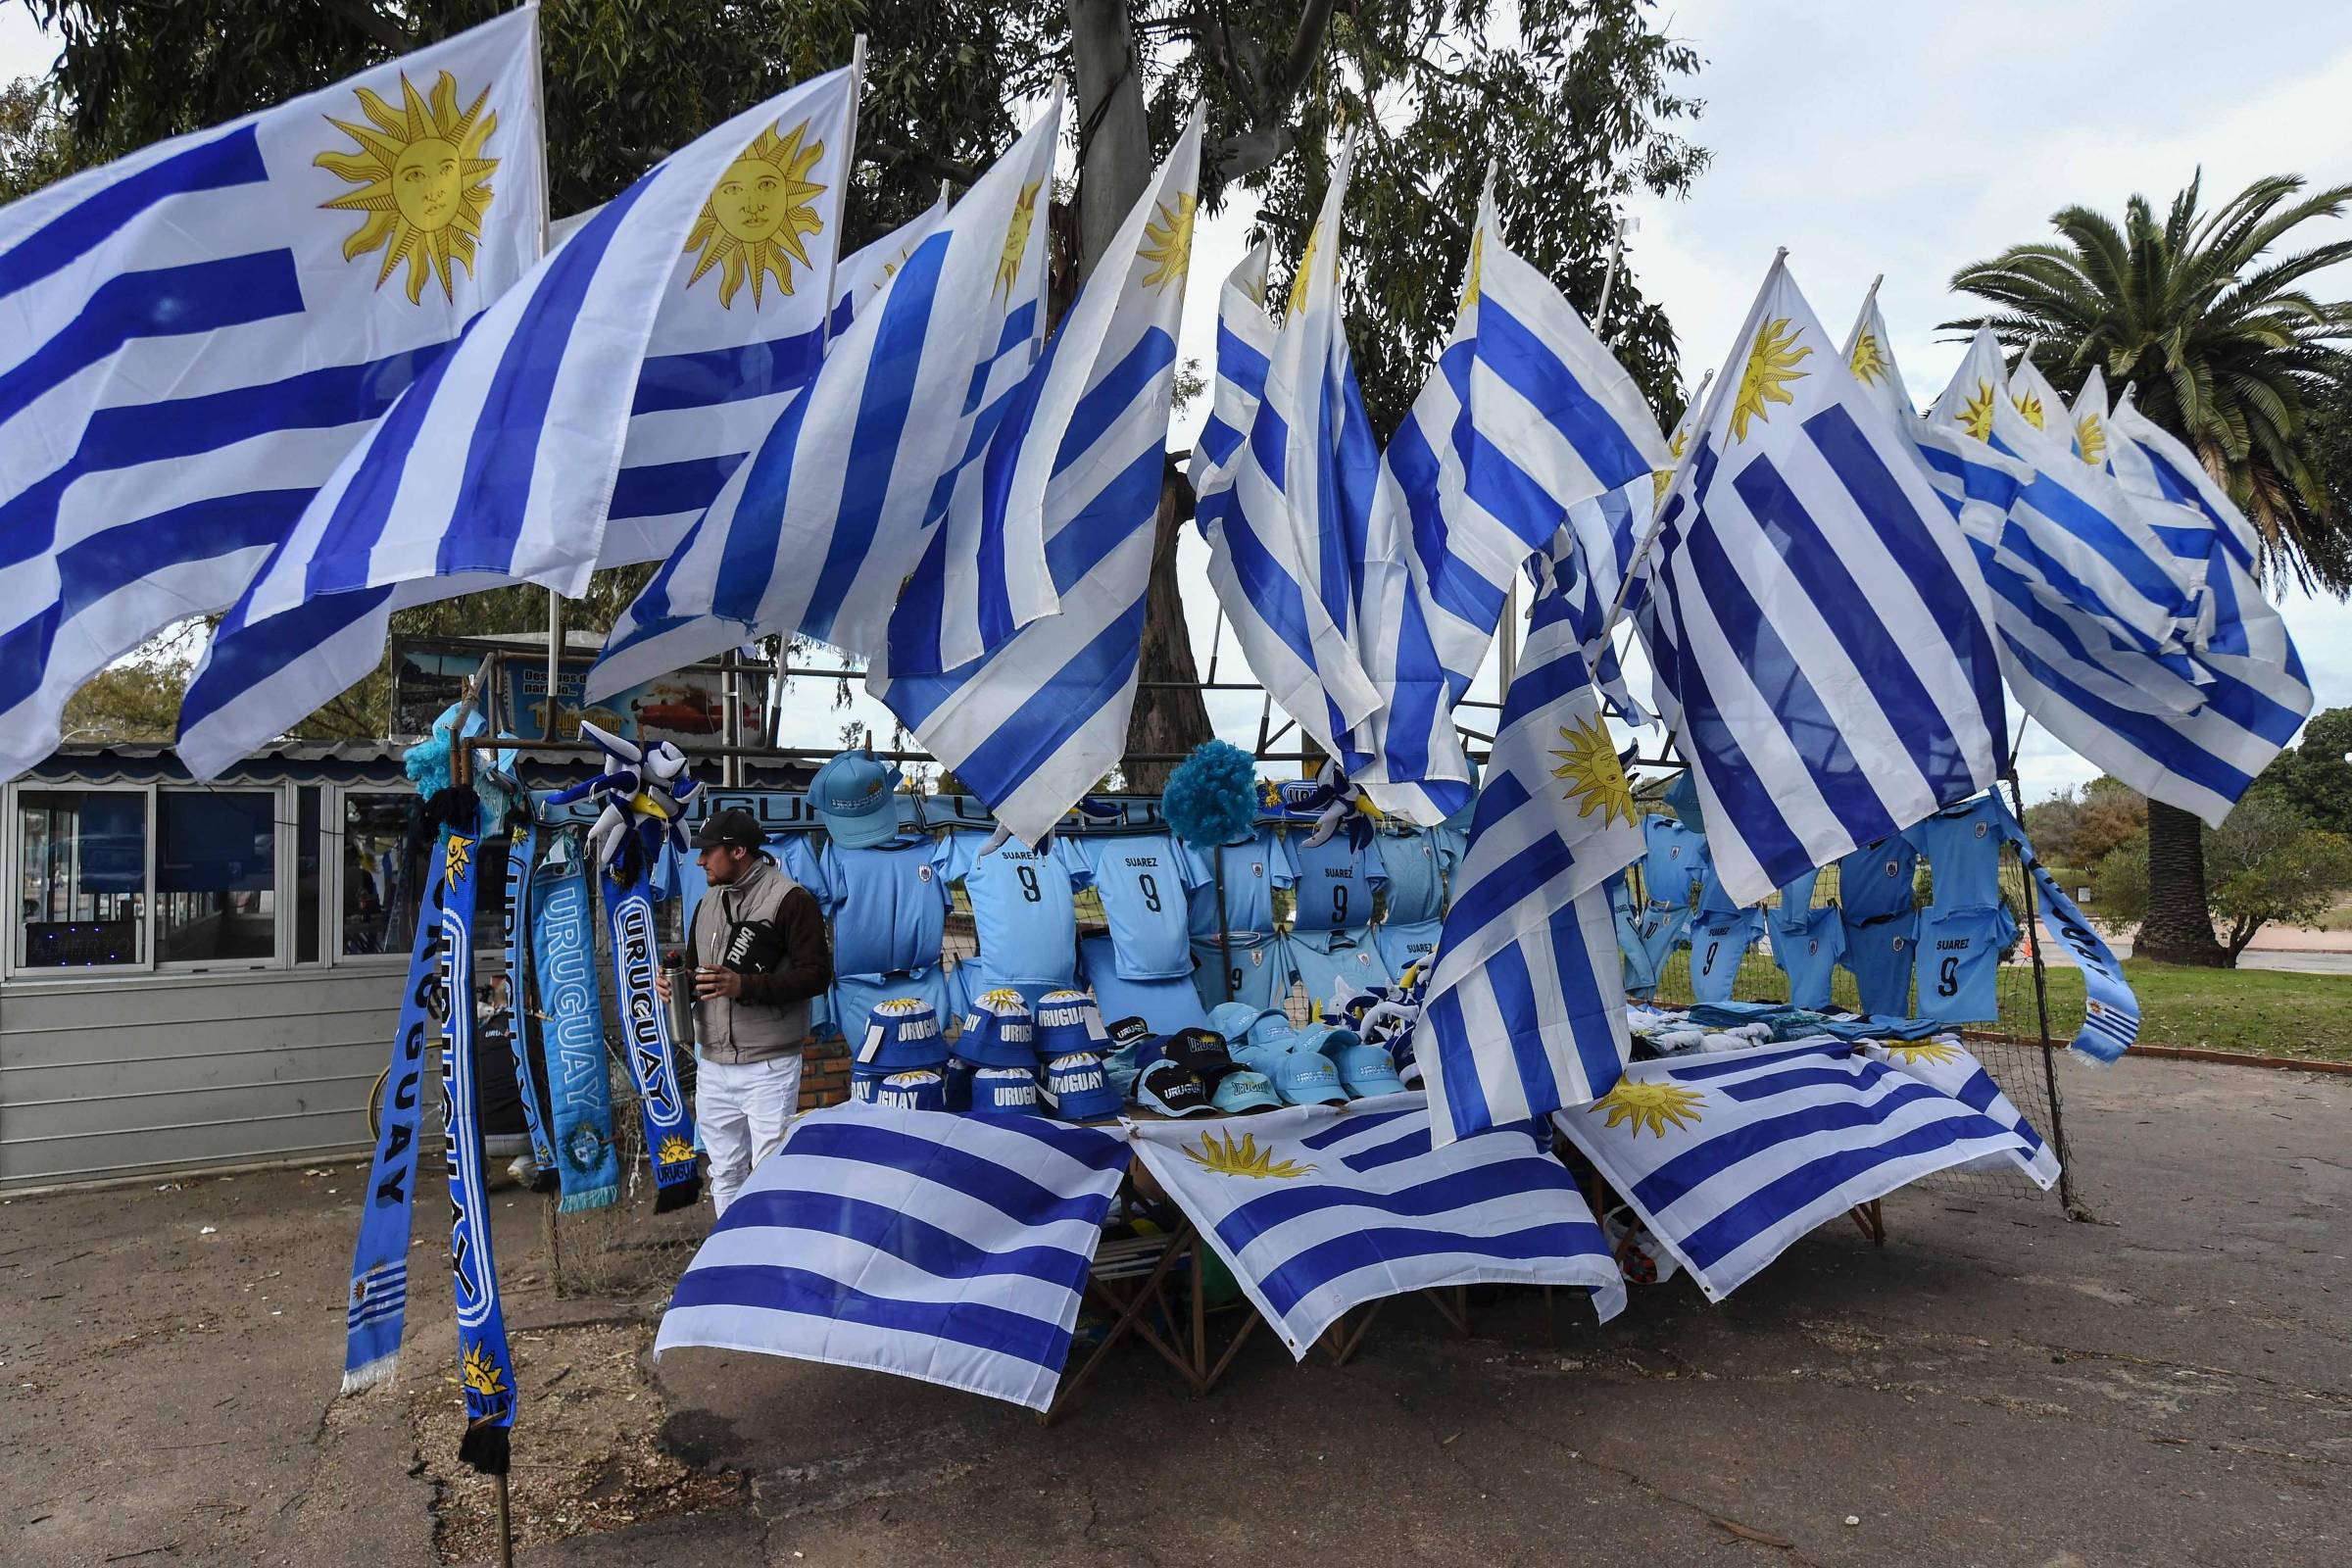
(1902, 139)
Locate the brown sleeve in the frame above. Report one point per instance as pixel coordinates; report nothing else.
(807, 967)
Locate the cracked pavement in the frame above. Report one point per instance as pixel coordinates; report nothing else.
(2171, 1384)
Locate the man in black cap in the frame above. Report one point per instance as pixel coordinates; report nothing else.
(756, 950)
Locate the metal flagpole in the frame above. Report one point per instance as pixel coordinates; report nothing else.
(1609, 279)
(1860, 317)
(2041, 1014)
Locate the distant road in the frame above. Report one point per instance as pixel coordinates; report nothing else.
(2288, 959)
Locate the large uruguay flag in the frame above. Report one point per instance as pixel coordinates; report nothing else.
(1318, 1209)
(193, 337)
(1526, 1003)
(1820, 629)
(1947, 1065)
(815, 534)
(1077, 460)
(1525, 417)
(1730, 1158)
(506, 462)
(951, 1249)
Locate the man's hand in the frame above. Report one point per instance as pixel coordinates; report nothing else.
(661, 983)
(717, 983)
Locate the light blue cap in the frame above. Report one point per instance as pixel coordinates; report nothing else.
(1367, 1070)
(1327, 1039)
(1239, 1022)
(857, 797)
(1238, 1092)
(1304, 1078)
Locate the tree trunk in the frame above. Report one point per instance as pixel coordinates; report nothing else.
(1167, 719)
(2179, 928)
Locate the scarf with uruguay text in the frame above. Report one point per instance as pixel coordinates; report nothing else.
(485, 1369)
(2110, 1009)
(645, 1023)
(523, 849)
(572, 1026)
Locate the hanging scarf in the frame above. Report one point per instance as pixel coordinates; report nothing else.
(522, 847)
(645, 1021)
(380, 1263)
(2110, 1011)
(484, 1368)
(572, 1033)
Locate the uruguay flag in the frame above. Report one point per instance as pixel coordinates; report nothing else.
(1078, 459)
(1525, 416)
(1821, 633)
(1526, 1004)
(814, 533)
(504, 464)
(192, 338)
(1870, 355)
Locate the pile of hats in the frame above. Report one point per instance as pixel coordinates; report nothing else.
(901, 1061)
(1005, 1062)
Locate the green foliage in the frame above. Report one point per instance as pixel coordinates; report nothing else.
(2118, 887)
(2207, 315)
(2314, 775)
(35, 147)
(2081, 826)
(2266, 863)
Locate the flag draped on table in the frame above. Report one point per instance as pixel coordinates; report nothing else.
(816, 531)
(1319, 1209)
(1947, 1065)
(1029, 726)
(1526, 1005)
(951, 1249)
(1818, 626)
(193, 337)
(523, 849)
(564, 978)
(504, 462)
(645, 1028)
(1729, 1159)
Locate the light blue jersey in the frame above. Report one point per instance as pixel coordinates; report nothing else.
(1348, 961)
(1640, 973)
(1253, 869)
(1960, 963)
(1719, 940)
(1660, 932)
(888, 904)
(1022, 908)
(1673, 859)
(1713, 897)
(1404, 946)
(1880, 953)
(1141, 882)
(1807, 951)
(1875, 883)
(1167, 1005)
(1248, 967)
(1795, 908)
(1336, 883)
(1419, 864)
(1963, 847)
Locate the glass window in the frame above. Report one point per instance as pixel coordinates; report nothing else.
(215, 876)
(82, 855)
(308, 894)
(383, 880)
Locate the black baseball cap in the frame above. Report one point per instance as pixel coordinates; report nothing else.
(734, 826)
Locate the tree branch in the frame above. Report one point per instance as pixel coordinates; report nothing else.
(1306, 46)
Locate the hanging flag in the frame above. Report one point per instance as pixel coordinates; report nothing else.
(1729, 1159)
(2088, 418)
(1820, 631)
(1600, 539)
(949, 1248)
(813, 534)
(1257, 551)
(1526, 1003)
(2110, 1009)
(532, 415)
(1030, 726)
(565, 989)
(1320, 1210)
(2041, 405)
(1869, 356)
(192, 338)
(1525, 417)
(1944, 1064)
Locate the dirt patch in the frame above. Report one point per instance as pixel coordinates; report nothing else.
(586, 1454)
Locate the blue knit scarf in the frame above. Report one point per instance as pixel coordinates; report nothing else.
(572, 1034)
(645, 1024)
(522, 847)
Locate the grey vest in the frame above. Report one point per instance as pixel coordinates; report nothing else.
(729, 1030)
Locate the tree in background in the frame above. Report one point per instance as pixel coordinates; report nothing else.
(2313, 775)
(2081, 828)
(2266, 863)
(2207, 318)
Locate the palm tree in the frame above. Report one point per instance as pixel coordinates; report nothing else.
(2208, 317)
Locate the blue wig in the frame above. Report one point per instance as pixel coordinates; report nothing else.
(1211, 796)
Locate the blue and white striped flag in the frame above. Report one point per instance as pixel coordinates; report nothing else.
(1944, 1064)
(504, 462)
(1821, 635)
(1319, 1209)
(2041, 405)
(949, 1248)
(836, 506)
(1606, 532)
(1729, 1159)
(1526, 1005)
(191, 340)
(1031, 725)
(1869, 356)
(2088, 418)
(1525, 416)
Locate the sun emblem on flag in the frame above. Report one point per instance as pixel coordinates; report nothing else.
(1660, 478)
(1911, 1052)
(1220, 1154)
(2091, 436)
(1588, 765)
(1650, 1106)
(1976, 414)
(1478, 245)
(479, 1371)
(2031, 406)
(1771, 366)
(458, 857)
(1016, 241)
(1168, 241)
(674, 1151)
(423, 181)
(1869, 362)
(1306, 268)
(751, 224)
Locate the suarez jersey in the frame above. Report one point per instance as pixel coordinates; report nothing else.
(1404, 946)
(1880, 953)
(1329, 962)
(1875, 883)
(1807, 951)
(1248, 966)
(1253, 869)
(1963, 848)
(1336, 883)
(1141, 882)
(1418, 864)
(1718, 942)
(1024, 909)
(1674, 858)
(1960, 963)
(888, 904)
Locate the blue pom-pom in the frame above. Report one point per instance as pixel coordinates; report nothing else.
(1211, 796)
(427, 764)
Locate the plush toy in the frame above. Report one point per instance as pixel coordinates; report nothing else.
(429, 765)
(1334, 803)
(645, 790)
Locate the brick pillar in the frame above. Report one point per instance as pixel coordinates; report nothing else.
(824, 1074)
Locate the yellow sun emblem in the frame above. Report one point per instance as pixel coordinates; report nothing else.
(1911, 1052)
(1660, 478)
(1221, 1154)
(1306, 268)
(1869, 362)
(1168, 241)
(1976, 414)
(675, 1150)
(479, 1371)
(1016, 241)
(458, 857)
(1589, 764)
(1771, 366)
(423, 181)
(2031, 406)
(2091, 436)
(1478, 245)
(1650, 1106)
(752, 225)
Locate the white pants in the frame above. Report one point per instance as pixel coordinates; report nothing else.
(742, 1111)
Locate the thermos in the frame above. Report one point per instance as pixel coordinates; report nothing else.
(681, 1002)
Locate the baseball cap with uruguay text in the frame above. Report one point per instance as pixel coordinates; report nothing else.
(857, 798)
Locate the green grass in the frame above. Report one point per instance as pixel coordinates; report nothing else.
(2261, 1011)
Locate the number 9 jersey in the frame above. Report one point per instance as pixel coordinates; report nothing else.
(1022, 907)
(1141, 882)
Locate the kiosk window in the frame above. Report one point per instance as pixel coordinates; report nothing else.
(82, 859)
(215, 876)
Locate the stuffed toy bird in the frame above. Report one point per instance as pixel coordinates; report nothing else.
(645, 790)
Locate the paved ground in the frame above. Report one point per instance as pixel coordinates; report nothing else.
(1996, 1385)
(2297, 960)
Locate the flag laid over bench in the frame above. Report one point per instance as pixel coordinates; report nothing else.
(951, 1249)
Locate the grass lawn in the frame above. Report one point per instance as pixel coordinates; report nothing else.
(2263, 1011)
